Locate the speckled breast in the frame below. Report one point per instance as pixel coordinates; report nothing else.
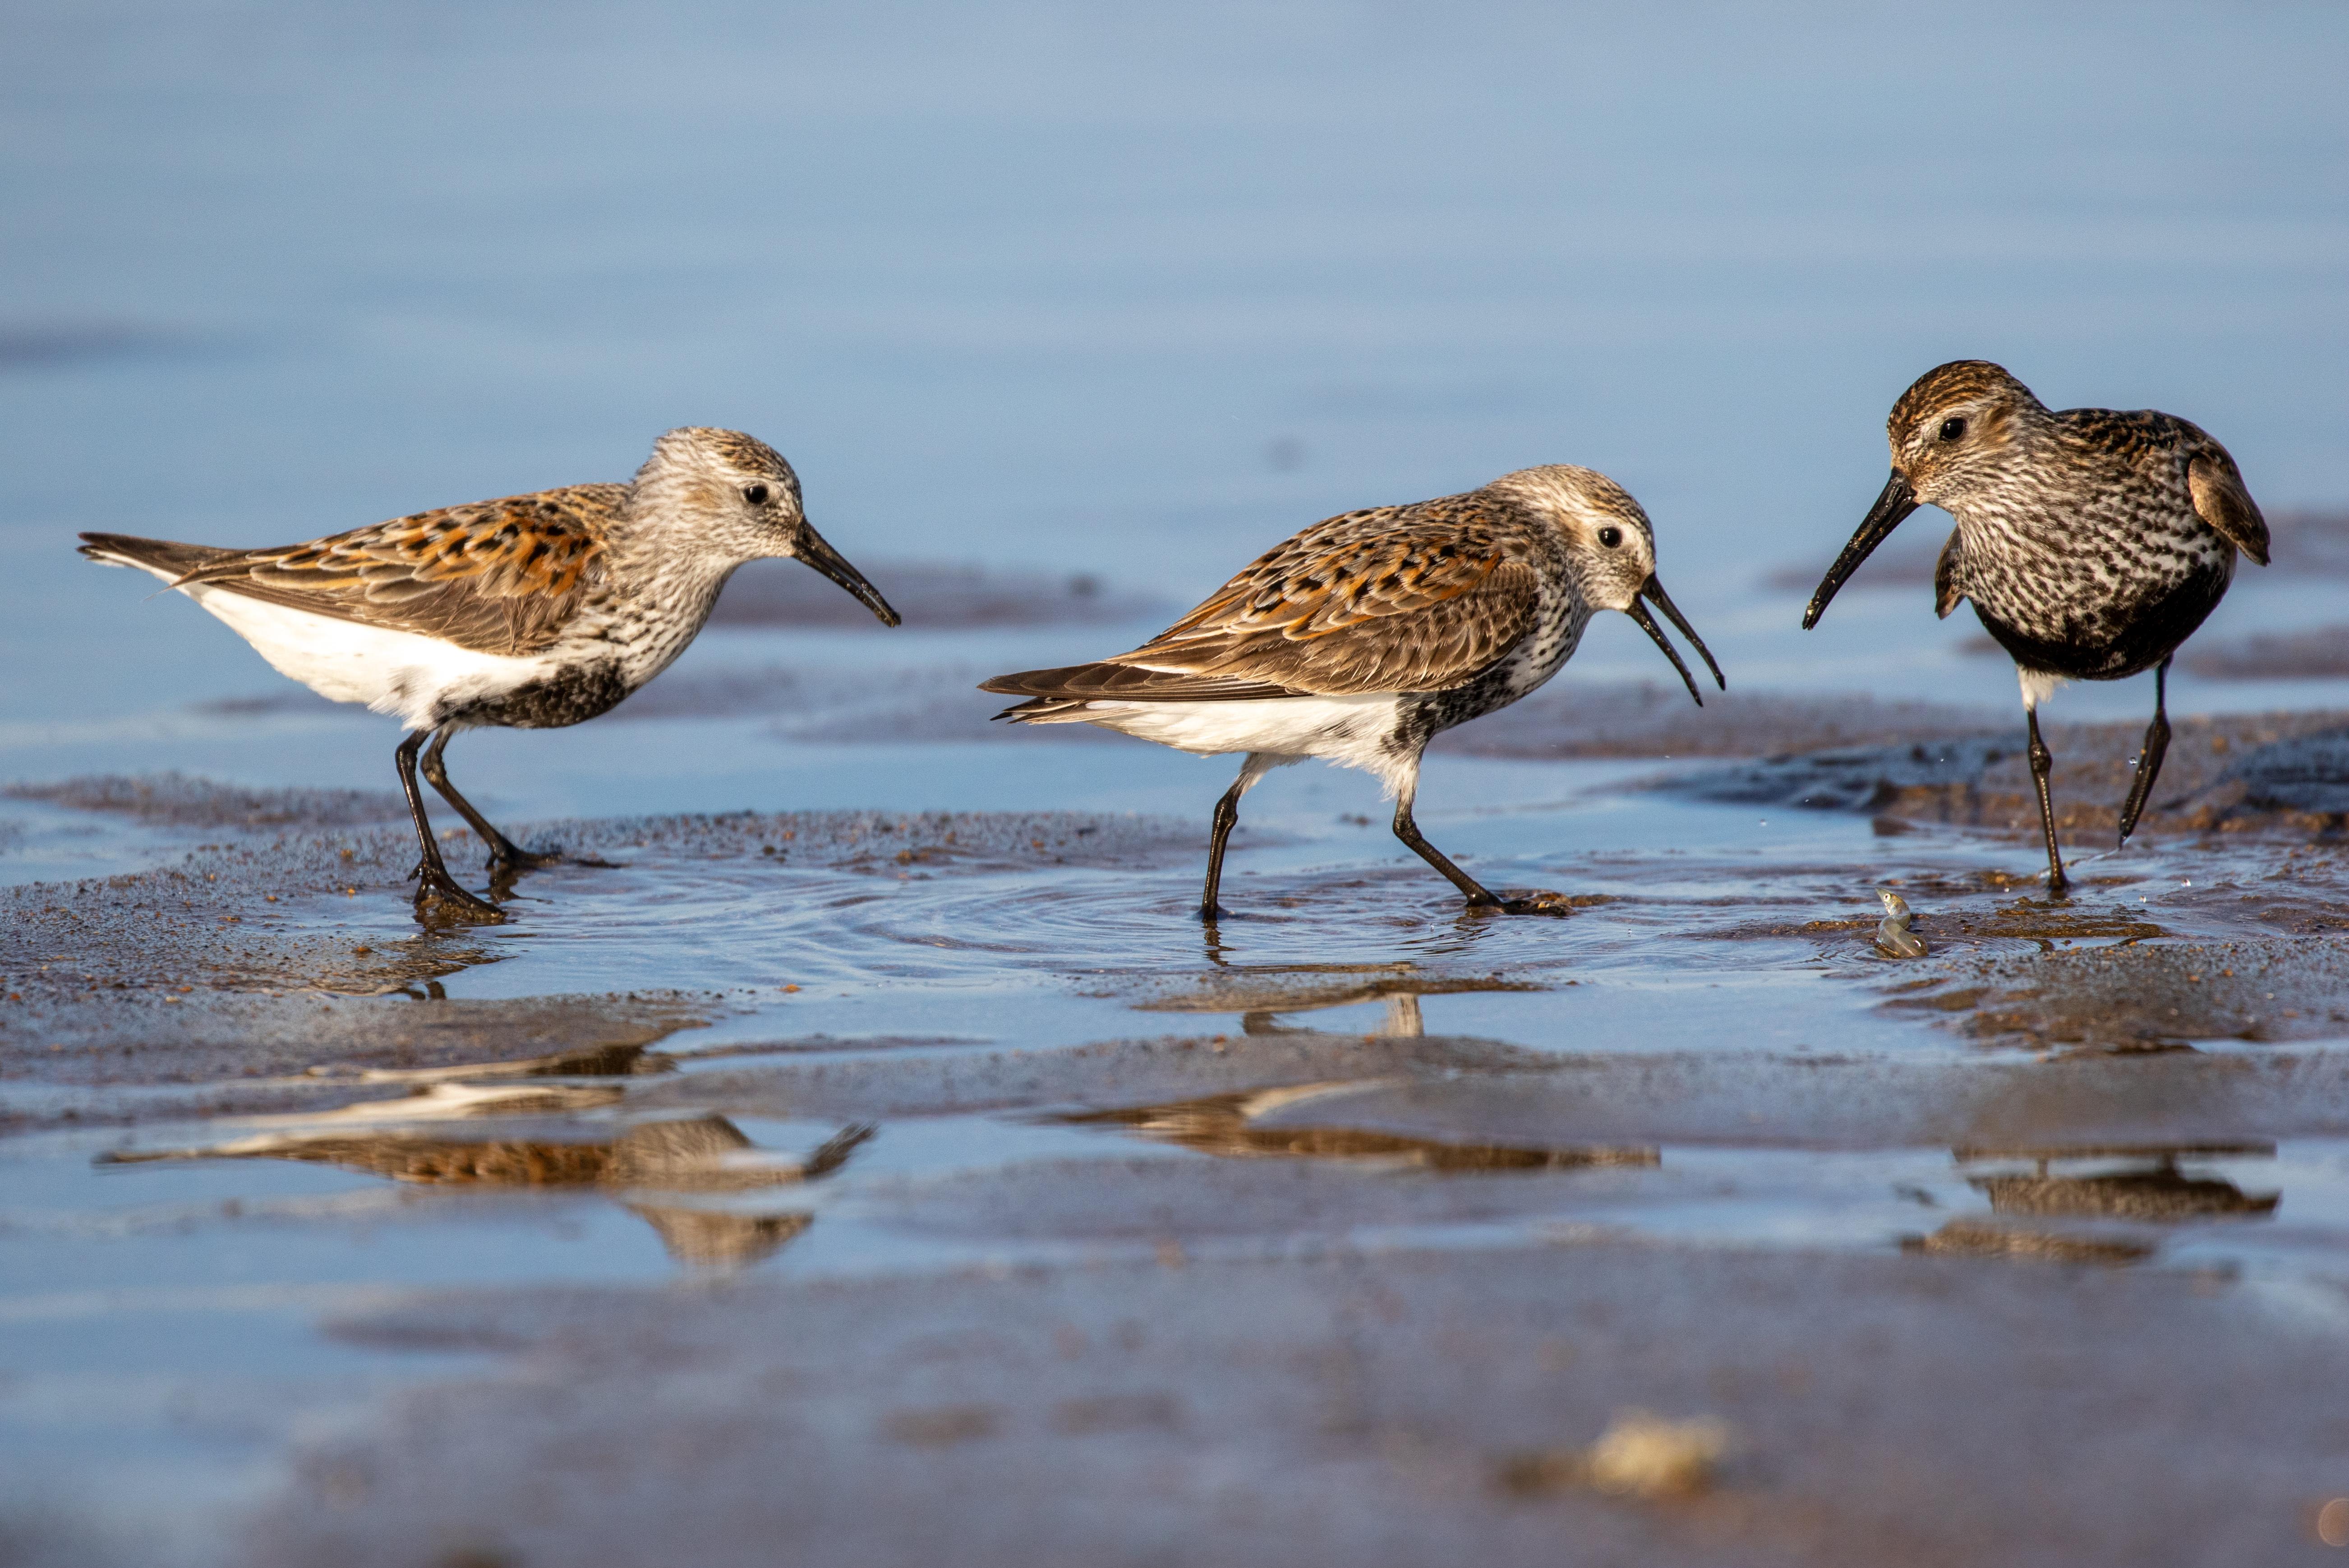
(1538, 655)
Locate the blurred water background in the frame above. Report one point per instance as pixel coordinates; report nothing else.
(1108, 292)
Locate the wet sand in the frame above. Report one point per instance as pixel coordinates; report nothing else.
(931, 1186)
(1284, 1402)
(2276, 774)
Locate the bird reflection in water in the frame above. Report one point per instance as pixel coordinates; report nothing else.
(2147, 1189)
(525, 1131)
(2150, 1188)
(1261, 996)
(1273, 1123)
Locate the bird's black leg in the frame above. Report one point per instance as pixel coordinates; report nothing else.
(1479, 895)
(505, 855)
(2148, 761)
(433, 883)
(2041, 761)
(1405, 828)
(1227, 817)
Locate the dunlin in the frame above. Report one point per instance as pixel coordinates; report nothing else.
(533, 611)
(1364, 637)
(2091, 542)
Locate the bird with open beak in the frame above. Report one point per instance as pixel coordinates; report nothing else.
(2090, 542)
(532, 611)
(1366, 636)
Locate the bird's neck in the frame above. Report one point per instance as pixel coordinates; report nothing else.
(661, 593)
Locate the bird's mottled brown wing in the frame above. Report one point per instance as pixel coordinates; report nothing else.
(2145, 437)
(1417, 598)
(496, 576)
(2222, 501)
(1947, 594)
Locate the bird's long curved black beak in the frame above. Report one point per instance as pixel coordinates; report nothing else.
(1654, 590)
(812, 549)
(1896, 502)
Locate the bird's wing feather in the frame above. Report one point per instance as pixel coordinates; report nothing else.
(1418, 598)
(2148, 441)
(1110, 682)
(495, 576)
(2224, 502)
(1947, 594)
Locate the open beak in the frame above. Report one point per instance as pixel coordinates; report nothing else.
(1654, 590)
(1896, 502)
(834, 565)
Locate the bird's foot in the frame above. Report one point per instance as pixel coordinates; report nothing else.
(510, 860)
(506, 857)
(1536, 903)
(439, 900)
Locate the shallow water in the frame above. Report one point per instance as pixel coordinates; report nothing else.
(165, 1313)
(1064, 294)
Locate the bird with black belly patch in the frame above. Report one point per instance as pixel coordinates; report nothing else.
(532, 612)
(1363, 637)
(2091, 544)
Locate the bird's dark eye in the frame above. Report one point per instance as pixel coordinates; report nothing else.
(1953, 429)
(1610, 536)
(755, 494)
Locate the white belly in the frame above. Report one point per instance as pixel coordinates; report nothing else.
(390, 671)
(1351, 731)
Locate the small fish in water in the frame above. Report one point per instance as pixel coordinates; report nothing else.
(1893, 937)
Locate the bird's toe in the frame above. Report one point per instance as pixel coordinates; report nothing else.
(514, 858)
(1555, 904)
(440, 900)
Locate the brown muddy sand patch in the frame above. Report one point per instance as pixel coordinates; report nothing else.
(227, 964)
(179, 800)
(1348, 1408)
(2286, 773)
(2135, 996)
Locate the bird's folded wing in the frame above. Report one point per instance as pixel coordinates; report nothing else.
(2152, 442)
(1340, 610)
(496, 576)
(2223, 501)
(1946, 594)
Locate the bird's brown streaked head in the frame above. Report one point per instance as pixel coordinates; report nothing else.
(1949, 433)
(1954, 424)
(736, 497)
(1611, 549)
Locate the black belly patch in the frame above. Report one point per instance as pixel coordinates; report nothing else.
(2129, 639)
(569, 696)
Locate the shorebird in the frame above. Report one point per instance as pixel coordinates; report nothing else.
(1361, 638)
(2091, 542)
(533, 611)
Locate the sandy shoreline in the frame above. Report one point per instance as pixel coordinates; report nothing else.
(1259, 1241)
